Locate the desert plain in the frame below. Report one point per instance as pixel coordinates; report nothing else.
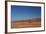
(35, 22)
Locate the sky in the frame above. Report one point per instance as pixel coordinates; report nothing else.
(25, 12)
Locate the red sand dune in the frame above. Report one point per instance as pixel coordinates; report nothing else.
(35, 22)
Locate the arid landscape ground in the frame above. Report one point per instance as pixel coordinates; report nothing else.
(35, 22)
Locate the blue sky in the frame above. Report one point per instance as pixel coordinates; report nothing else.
(25, 12)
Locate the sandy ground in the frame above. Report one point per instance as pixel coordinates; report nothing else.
(26, 24)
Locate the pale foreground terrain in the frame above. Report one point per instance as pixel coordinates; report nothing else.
(26, 23)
